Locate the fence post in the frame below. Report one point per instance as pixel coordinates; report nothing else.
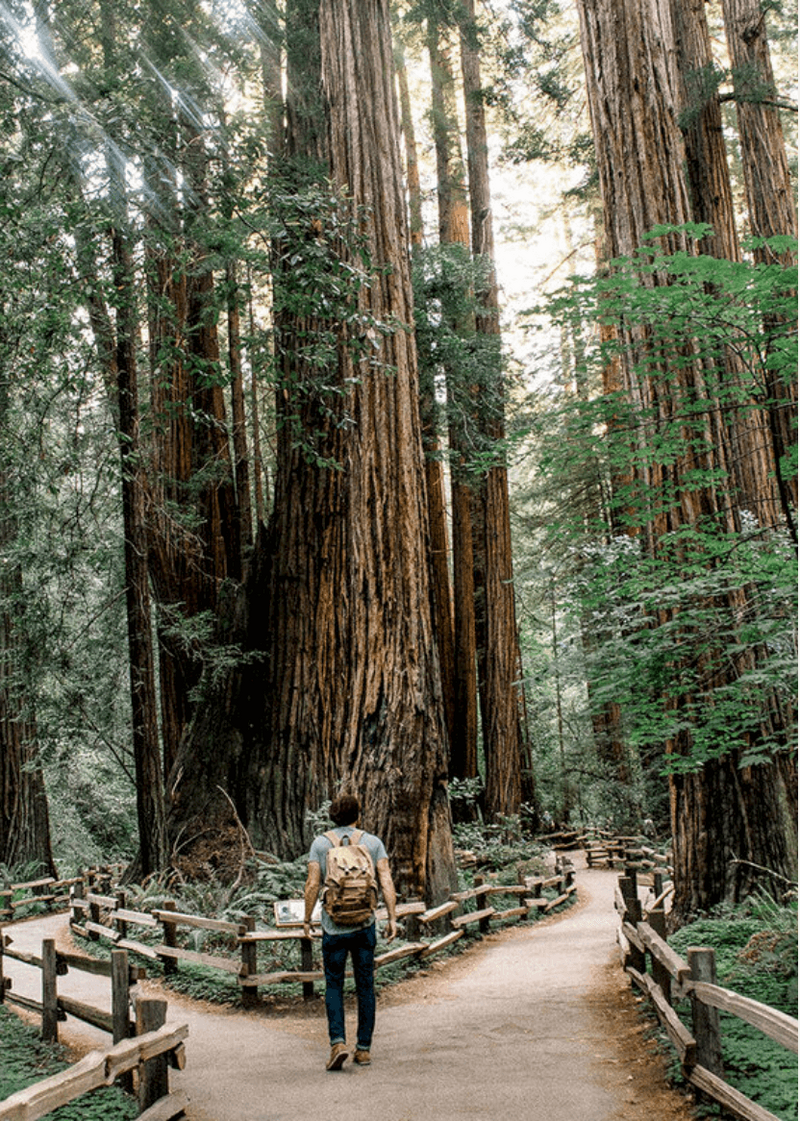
(94, 916)
(480, 903)
(249, 962)
(120, 982)
(120, 1006)
(413, 924)
(4, 985)
(78, 891)
(661, 975)
(633, 914)
(120, 924)
(307, 965)
(49, 992)
(705, 1020)
(170, 937)
(153, 1074)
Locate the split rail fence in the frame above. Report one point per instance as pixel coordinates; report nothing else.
(104, 916)
(145, 1044)
(149, 1053)
(669, 978)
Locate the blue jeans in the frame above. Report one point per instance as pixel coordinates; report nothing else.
(360, 944)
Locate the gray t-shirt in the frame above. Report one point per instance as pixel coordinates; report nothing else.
(321, 846)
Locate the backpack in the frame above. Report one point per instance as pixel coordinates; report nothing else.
(350, 892)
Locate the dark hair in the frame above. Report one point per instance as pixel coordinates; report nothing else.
(345, 809)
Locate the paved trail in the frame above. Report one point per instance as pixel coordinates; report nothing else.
(537, 1023)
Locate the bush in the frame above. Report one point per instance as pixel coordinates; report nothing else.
(756, 953)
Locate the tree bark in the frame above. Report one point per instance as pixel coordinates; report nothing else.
(346, 687)
(496, 625)
(24, 812)
(430, 415)
(451, 194)
(752, 459)
(632, 98)
(771, 204)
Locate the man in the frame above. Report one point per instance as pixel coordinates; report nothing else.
(359, 941)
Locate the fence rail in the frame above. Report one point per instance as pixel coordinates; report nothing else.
(642, 941)
(149, 1053)
(53, 1007)
(105, 915)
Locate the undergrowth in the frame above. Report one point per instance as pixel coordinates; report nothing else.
(502, 853)
(756, 955)
(27, 1060)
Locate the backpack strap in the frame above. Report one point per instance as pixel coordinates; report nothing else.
(333, 837)
(355, 837)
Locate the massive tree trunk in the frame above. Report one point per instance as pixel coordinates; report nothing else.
(496, 625)
(346, 687)
(632, 99)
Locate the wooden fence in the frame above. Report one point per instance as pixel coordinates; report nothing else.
(669, 978)
(50, 893)
(154, 1045)
(54, 1008)
(150, 1053)
(106, 916)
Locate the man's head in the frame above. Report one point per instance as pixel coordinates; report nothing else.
(345, 810)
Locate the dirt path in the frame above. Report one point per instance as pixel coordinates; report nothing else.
(536, 1023)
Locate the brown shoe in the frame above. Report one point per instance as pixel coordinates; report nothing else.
(339, 1056)
(362, 1059)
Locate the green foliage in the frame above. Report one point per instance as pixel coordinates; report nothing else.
(756, 954)
(461, 368)
(327, 339)
(27, 1060)
(657, 626)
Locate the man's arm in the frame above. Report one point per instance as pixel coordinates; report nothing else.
(311, 894)
(389, 898)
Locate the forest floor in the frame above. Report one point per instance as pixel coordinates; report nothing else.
(536, 1022)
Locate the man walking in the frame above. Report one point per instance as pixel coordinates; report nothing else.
(356, 938)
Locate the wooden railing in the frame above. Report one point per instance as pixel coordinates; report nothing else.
(670, 978)
(54, 1008)
(106, 916)
(149, 1054)
(48, 892)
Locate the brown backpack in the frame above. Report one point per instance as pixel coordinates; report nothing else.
(350, 891)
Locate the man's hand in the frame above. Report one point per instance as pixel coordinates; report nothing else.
(310, 895)
(389, 898)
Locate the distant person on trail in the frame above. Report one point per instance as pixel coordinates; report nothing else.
(348, 864)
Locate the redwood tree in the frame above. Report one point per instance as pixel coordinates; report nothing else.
(721, 806)
(343, 685)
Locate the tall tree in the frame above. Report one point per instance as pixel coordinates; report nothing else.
(430, 412)
(771, 205)
(718, 807)
(454, 238)
(150, 801)
(711, 199)
(346, 688)
(497, 638)
(24, 812)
